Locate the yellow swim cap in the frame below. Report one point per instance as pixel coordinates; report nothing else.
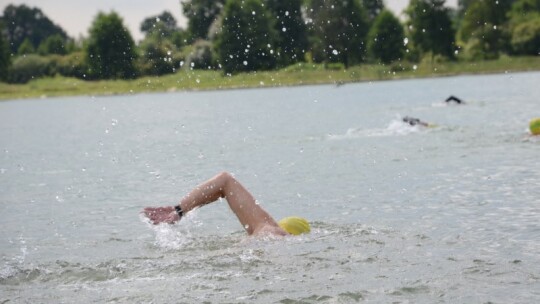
(534, 126)
(294, 225)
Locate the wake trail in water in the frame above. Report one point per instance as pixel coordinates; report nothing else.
(396, 127)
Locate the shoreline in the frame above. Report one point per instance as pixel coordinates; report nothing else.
(298, 75)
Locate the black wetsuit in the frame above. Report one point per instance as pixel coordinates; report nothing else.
(413, 121)
(453, 98)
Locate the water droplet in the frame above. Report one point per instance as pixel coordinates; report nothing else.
(246, 226)
(405, 41)
(198, 80)
(335, 52)
(414, 67)
(284, 29)
(245, 62)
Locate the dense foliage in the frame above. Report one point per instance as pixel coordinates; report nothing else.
(292, 40)
(250, 35)
(482, 28)
(248, 38)
(201, 14)
(54, 44)
(338, 30)
(430, 27)
(110, 48)
(5, 57)
(385, 38)
(373, 8)
(524, 27)
(23, 22)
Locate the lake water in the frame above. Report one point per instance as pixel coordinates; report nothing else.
(400, 214)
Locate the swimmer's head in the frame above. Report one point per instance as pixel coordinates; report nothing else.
(534, 126)
(294, 225)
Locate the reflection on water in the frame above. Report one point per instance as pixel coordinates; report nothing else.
(399, 213)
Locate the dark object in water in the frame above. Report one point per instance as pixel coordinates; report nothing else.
(414, 121)
(454, 98)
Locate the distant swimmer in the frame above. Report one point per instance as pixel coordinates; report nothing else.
(414, 121)
(455, 99)
(534, 126)
(254, 219)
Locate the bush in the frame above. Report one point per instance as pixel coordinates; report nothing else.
(526, 37)
(71, 65)
(401, 66)
(201, 55)
(475, 50)
(28, 67)
(53, 45)
(157, 56)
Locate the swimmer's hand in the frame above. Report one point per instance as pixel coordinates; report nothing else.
(159, 215)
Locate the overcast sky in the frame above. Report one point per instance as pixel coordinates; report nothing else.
(76, 16)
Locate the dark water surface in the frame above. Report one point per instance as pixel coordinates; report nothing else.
(400, 214)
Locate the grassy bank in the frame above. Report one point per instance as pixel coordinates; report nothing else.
(294, 75)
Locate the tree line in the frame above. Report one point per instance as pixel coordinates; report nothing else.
(250, 35)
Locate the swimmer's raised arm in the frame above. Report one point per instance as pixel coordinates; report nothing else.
(251, 215)
(454, 98)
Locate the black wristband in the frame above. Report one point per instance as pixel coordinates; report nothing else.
(178, 210)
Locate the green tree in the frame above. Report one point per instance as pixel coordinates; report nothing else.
(338, 30)
(165, 24)
(248, 37)
(110, 48)
(373, 8)
(385, 38)
(23, 22)
(290, 26)
(431, 27)
(482, 27)
(524, 27)
(26, 48)
(201, 14)
(5, 57)
(463, 5)
(54, 44)
(156, 57)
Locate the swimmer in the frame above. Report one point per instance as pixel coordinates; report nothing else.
(534, 126)
(254, 219)
(414, 121)
(454, 98)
